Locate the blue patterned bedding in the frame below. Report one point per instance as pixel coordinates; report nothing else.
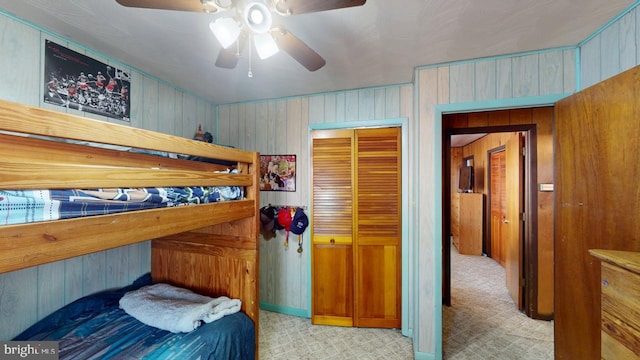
(24, 206)
(94, 327)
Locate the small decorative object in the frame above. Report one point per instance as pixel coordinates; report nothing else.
(199, 135)
(278, 172)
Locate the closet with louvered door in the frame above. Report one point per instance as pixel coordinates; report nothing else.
(356, 227)
(332, 227)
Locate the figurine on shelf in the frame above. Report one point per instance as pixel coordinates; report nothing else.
(199, 135)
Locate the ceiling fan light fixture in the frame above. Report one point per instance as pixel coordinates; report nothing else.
(226, 30)
(257, 17)
(265, 45)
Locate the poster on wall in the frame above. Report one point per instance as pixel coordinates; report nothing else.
(278, 172)
(76, 81)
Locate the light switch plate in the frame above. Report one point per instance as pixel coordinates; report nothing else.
(546, 187)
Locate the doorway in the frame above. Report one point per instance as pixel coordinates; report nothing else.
(537, 296)
(502, 189)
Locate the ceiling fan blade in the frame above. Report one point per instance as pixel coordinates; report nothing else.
(180, 5)
(297, 49)
(295, 7)
(228, 58)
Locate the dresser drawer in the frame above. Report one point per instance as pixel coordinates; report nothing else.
(620, 313)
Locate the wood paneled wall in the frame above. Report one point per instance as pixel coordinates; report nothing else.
(612, 51)
(28, 295)
(282, 127)
(486, 83)
(456, 161)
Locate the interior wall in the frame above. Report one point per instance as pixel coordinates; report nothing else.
(478, 149)
(611, 51)
(282, 126)
(482, 84)
(30, 294)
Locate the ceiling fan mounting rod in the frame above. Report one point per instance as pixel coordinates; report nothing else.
(250, 73)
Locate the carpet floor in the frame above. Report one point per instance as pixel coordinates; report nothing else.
(482, 324)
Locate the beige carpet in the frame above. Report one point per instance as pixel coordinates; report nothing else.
(483, 322)
(289, 337)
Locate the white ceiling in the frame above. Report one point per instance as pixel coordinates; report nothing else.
(380, 43)
(465, 139)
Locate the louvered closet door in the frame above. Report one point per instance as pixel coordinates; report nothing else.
(332, 227)
(378, 228)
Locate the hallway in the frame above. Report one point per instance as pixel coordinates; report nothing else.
(482, 322)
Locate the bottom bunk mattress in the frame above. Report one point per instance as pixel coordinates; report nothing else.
(95, 327)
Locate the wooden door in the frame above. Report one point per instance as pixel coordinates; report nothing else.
(498, 206)
(513, 223)
(332, 209)
(378, 228)
(597, 202)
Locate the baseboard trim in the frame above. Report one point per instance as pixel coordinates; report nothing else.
(304, 313)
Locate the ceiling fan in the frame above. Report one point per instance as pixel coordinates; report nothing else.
(252, 20)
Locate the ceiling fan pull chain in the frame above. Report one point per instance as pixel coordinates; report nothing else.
(250, 74)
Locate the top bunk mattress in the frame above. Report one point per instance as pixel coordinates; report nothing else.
(27, 206)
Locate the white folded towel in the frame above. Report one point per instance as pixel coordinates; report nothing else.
(175, 309)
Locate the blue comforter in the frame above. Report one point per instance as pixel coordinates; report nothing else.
(25, 206)
(94, 327)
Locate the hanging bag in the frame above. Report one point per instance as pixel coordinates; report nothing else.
(285, 219)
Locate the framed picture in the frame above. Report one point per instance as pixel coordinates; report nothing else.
(278, 172)
(76, 81)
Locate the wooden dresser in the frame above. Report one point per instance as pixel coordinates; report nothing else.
(471, 225)
(620, 309)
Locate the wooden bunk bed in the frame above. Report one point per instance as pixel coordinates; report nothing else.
(209, 248)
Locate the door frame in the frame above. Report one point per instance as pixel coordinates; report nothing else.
(530, 236)
(438, 145)
(486, 242)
